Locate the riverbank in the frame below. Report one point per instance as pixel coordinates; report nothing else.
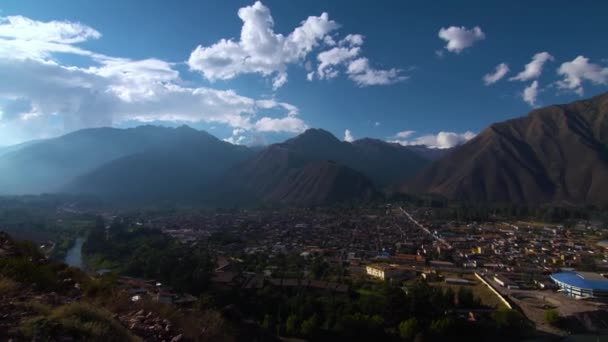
(74, 255)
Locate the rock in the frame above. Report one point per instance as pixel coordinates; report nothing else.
(177, 338)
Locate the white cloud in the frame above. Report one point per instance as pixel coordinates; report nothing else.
(62, 98)
(440, 140)
(460, 38)
(578, 70)
(62, 32)
(361, 73)
(404, 134)
(530, 93)
(22, 38)
(330, 58)
(236, 140)
(346, 54)
(533, 69)
(290, 124)
(352, 40)
(260, 50)
(348, 136)
(501, 70)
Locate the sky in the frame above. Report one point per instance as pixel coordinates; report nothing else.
(413, 72)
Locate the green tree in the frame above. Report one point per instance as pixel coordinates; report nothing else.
(291, 326)
(310, 326)
(552, 317)
(511, 323)
(442, 326)
(409, 328)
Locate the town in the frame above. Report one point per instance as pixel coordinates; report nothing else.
(535, 267)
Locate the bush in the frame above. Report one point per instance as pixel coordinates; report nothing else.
(7, 286)
(552, 317)
(25, 271)
(76, 320)
(409, 328)
(511, 323)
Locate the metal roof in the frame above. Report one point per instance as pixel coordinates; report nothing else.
(583, 280)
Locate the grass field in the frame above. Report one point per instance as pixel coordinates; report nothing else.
(487, 297)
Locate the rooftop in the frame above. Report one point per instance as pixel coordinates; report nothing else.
(586, 280)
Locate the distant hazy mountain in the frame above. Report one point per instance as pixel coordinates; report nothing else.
(8, 149)
(554, 154)
(382, 162)
(278, 174)
(429, 153)
(64, 163)
(152, 163)
(182, 168)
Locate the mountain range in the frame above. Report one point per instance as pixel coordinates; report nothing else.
(556, 154)
(151, 163)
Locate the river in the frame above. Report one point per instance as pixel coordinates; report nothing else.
(74, 254)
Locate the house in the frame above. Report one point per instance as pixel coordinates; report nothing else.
(386, 271)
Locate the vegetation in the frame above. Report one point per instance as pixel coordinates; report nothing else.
(77, 321)
(149, 254)
(552, 317)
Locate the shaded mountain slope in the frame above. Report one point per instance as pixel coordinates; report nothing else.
(384, 163)
(182, 168)
(50, 164)
(554, 154)
(280, 175)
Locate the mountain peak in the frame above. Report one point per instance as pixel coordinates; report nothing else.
(317, 133)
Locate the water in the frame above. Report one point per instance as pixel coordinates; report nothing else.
(74, 255)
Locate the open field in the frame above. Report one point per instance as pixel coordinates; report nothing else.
(479, 289)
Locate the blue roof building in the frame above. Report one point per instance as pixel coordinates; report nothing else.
(582, 284)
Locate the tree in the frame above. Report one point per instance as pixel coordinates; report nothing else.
(442, 326)
(409, 328)
(291, 326)
(310, 326)
(450, 297)
(511, 323)
(466, 299)
(552, 317)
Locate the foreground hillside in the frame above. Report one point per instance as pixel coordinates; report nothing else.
(43, 300)
(554, 154)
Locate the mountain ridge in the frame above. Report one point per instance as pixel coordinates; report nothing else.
(557, 154)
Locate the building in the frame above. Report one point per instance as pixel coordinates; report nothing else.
(582, 284)
(385, 272)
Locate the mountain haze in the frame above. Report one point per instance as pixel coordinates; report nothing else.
(181, 168)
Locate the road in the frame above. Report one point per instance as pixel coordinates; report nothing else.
(425, 229)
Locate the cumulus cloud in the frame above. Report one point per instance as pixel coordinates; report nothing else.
(260, 50)
(336, 56)
(290, 124)
(501, 70)
(40, 96)
(364, 75)
(578, 70)
(347, 55)
(348, 136)
(404, 134)
(440, 140)
(530, 93)
(533, 69)
(460, 38)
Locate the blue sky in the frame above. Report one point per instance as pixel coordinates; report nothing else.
(67, 65)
